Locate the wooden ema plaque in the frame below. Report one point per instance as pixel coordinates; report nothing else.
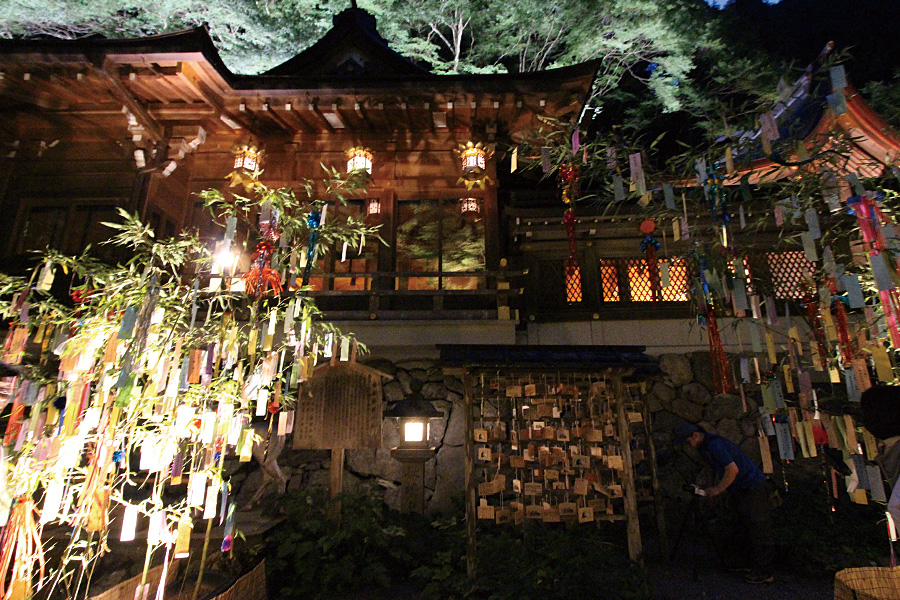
(342, 409)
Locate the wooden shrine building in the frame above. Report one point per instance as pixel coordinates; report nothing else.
(90, 125)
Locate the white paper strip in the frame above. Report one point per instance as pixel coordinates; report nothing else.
(184, 414)
(290, 422)
(157, 532)
(129, 523)
(262, 399)
(212, 502)
(196, 489)
(208, 427)
(52, 500)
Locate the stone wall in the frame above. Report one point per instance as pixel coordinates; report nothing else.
(681, 392)
(444, 475)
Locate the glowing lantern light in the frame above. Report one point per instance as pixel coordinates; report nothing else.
(469, 205)
(414, 414)
(359, 159)
(573, 281)
(373, 207)
(247, 157)
(474, 165)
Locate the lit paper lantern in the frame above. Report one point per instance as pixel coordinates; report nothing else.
(359, 159)
(474, 165)
(247, 157)
(373, 207)
(469, 205)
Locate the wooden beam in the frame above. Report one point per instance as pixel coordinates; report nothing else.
(362, 116)
(314, 107)
(292, 117)
(190, 78)
(151, 126)
(268, 110)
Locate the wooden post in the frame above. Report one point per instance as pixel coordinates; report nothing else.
(654, 485)
(471, 546)
(635, 548)
(336, 485)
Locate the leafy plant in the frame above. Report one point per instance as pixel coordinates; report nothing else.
(312, 556)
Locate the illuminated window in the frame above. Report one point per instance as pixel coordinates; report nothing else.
(609, 278)
(678, 281)
(436, 239)
(639, 283)
(789, 270)
(573, 281)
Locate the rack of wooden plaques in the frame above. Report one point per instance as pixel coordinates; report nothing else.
(553, 448)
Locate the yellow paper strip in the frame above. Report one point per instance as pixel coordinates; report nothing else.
(770, 348)
(883, 369)
(810, 438)
(850, 435)
(765, 454)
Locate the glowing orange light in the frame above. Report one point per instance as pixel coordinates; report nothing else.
(359, 159)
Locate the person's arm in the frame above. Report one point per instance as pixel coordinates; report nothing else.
(731, 471)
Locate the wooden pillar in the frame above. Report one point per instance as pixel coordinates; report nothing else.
(471, 516)
(492, 241)
(387, 253)
(635, 548)
(654, 485)
(336, 483)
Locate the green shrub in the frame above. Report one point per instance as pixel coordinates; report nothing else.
(537, 561)
(309, 556)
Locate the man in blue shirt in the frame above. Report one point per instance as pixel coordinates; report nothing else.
(746, 484)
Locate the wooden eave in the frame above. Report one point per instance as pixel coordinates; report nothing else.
(179, 79)
(874, 144)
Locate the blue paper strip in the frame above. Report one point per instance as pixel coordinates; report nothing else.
(881, 273)
(740, 295)
(812, 221)
(785, 443)
(854, 291)
(669, 196)
(127, 323)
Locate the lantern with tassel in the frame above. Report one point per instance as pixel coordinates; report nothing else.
(474, 165)
(359, 159)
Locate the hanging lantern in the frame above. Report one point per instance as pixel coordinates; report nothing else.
(373, 207)
(247, 157)
(359, 159)
(474, 165)
(469, 206)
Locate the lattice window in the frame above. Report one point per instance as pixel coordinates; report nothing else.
(679, 280)
(789, 270)
(638, 279)
(609, 279)
(573, 281)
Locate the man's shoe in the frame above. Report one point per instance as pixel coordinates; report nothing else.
(759, 578)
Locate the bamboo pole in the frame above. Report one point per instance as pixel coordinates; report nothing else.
(209, 525)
